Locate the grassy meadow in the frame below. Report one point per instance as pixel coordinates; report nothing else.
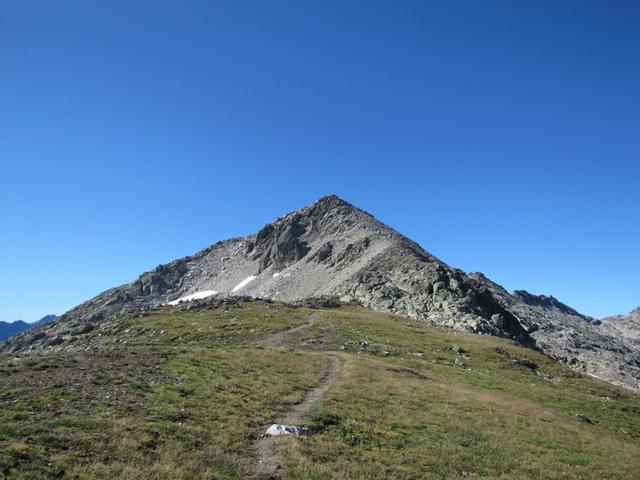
(183, 395)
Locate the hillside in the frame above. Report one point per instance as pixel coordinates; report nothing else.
(334, 248)
(185, 392)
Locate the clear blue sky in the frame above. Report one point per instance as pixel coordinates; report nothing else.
(502, 136)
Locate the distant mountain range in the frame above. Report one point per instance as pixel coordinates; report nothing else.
(7, 329)
(331, 248)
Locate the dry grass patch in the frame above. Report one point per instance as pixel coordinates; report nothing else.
(393, 425)
(181, 395)
(198, 421)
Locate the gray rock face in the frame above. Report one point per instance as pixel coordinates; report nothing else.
(331, 248)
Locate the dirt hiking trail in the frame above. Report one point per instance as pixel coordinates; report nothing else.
(269, 462)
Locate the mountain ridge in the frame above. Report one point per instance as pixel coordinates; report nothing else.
(626, 325)
(332, 248)
(8, 329)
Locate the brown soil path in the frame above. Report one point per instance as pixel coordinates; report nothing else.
(276, 340)
(269, 462)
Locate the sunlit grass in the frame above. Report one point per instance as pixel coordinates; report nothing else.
(181, 395)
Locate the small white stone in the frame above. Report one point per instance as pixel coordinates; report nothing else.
(276, 430)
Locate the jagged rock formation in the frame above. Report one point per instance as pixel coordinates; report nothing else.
(332, 248)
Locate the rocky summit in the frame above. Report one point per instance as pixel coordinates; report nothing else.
(333, 249)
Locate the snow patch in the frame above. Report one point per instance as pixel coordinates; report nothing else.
(193, 296)
(282, 274)
(243, 283)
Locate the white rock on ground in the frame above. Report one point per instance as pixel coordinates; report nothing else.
(276, 430)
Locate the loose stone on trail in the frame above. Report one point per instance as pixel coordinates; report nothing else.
(276, 430)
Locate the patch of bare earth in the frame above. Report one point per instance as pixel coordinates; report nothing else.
(277, 340)
(117, 377)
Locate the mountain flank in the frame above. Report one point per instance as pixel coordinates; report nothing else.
(331, 248)
(627, 326)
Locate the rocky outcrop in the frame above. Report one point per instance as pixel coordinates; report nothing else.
(279, 245)
(334, 249)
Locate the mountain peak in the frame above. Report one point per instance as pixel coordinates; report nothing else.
(333, 203)
(332, 248)
(331, 198)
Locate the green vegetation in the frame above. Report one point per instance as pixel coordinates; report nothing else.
(184, 395)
